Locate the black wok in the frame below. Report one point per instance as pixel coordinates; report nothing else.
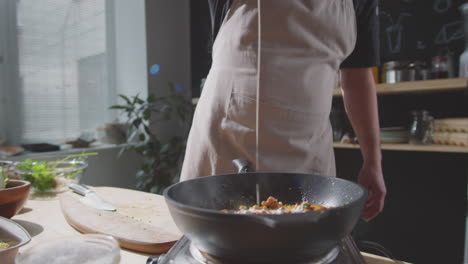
(195, 204)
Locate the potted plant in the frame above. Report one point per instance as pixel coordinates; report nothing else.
(161, 157)
(13, 193)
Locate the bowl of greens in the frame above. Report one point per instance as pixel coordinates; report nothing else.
(53, 176)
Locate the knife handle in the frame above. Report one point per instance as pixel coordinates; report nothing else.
(79, 188)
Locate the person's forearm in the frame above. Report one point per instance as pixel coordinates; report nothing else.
(359, 95)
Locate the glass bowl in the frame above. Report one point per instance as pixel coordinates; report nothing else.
(51, 176)
(79, 249)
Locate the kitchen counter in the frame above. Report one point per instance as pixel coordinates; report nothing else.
(44, 221)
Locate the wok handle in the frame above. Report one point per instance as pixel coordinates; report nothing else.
(242, 165)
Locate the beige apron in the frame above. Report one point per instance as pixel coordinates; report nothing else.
(303, 43)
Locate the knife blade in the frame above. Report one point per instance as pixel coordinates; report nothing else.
(91, 198)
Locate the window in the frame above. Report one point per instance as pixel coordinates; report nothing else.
(65, 68)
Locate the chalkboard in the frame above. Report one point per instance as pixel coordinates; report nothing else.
(420, 29)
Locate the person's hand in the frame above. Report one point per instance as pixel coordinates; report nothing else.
(371, 178)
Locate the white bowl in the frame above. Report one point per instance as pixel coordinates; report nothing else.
(79, 249)
(15, 235)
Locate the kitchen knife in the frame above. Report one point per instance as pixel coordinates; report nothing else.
(91, 198)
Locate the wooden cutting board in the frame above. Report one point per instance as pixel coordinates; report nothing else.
(142, 221)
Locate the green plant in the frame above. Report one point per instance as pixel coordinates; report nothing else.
(41, 174)
(3, 179)
(161, 157)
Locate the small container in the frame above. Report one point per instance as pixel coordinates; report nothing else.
(375, 73)
(13, 198)
(390, 72)
(89, 249)
(421, 70)
(440, 67)
(422, 128)
(337, 123)
(114, 133)
(408, 72)
(463, 72)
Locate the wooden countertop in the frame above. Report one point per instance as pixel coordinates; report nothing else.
(44, 220)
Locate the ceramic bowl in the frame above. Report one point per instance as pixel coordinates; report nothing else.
(12, 198)
(15, 235)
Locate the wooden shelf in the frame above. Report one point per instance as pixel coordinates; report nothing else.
(441, 85)
(408, 147)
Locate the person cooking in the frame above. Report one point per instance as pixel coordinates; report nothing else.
(288, 54)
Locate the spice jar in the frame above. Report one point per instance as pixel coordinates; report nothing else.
(422, 128)
(337, 123)
(422, 71)
(464, 57)
(440, 67)
(391, 72)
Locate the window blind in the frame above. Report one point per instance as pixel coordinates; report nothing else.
(63, 68)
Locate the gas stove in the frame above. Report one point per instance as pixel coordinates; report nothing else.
(184, 252)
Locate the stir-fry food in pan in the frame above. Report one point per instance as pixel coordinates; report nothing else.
(273, 206)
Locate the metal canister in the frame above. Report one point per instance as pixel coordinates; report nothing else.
(391, 72)
(422, 71)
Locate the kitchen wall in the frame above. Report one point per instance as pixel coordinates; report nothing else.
(9, 111)
(168, 42)
(130, 47)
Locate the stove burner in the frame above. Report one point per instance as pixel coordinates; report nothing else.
(184, 252)
(204, 258)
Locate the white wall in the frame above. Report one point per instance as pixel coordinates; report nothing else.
(9, 82)
(3, 28)
(130, 47)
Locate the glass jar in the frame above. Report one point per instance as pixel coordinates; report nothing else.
(390, 70)
(337, 123)
(440, 67)
(422, 128)
(464, 56)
